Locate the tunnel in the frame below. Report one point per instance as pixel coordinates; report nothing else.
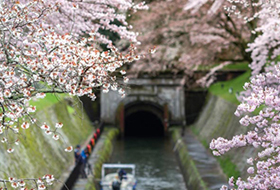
(143, 120)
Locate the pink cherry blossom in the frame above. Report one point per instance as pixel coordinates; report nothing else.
(261, 93)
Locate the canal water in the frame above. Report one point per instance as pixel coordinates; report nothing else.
(156, 165)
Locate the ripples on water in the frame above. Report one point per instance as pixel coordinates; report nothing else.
(156, 165)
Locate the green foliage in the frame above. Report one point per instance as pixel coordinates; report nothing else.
(70, 109)
(237, 66)
(48, 101)
(229, 168)
(234, 66)
(222, 88)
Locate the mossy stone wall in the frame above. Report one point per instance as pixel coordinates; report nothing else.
(102, 153)
(38, 154)
(189, 169)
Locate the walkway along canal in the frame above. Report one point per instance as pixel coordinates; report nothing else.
(200, 169)
(74, 174)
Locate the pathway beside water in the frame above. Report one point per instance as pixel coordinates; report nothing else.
(81, 182)
(156, 164)
(207, 165)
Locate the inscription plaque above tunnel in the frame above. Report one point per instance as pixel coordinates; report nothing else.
(161, 97)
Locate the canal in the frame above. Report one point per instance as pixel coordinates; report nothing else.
(156, 165)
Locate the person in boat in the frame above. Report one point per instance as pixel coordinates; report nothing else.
(122, 174)
(116, 184)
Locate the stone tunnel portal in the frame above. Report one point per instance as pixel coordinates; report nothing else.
(144, 120)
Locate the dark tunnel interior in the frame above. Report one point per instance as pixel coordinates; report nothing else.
(143, 124)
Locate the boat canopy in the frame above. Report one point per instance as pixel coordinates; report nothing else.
(118, 166)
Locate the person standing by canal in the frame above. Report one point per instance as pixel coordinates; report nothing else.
(83, 162)
(88, 165)
(80, 161)
(77, 154)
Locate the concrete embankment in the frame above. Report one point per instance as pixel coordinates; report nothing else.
(189, 169)
(200, 169)
(38, 154)
(217, 119)
(101, 153)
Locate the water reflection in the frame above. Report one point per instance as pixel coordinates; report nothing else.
(156, 166)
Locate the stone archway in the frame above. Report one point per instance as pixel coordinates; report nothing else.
(162, 97)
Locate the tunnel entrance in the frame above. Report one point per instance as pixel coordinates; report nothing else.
(143, 120)
(143, 124)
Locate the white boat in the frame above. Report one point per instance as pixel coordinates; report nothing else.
(127, 183)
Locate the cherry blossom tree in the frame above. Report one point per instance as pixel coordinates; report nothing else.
(217, 24)
(82, 16)
(261, 17)
(260, 114)
(52, 47)
(219, 28)
(259, 110)
(190, 38)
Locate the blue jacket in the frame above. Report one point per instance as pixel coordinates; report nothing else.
(84, 157)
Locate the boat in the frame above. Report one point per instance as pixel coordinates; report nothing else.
(127, 183)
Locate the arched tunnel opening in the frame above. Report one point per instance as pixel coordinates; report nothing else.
(143, 124)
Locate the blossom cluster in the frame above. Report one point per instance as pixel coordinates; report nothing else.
(35, 59)
(52, 47)
(263, 132)
(259, 110)
(265, 48)
(264, 21)
(225, 36)
(24, 184)
(79, 17)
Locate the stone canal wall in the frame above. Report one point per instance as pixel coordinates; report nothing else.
(101, 154)
(217, 120)
(190, 171)
(38, 154)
